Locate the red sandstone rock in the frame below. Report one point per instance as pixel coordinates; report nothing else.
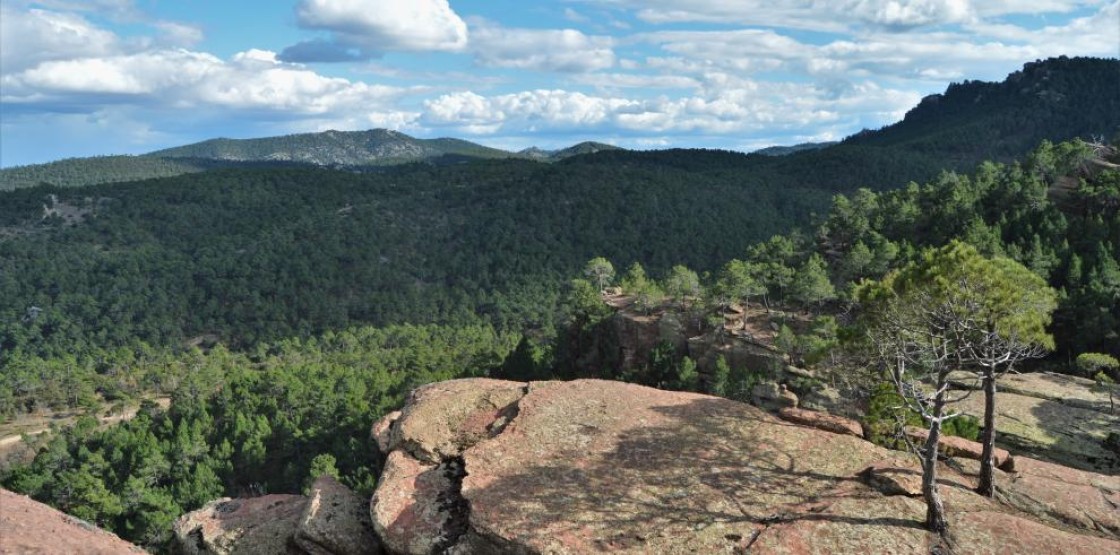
(951, 446)
(30, 527)
(592, 466)
(410, 508)
(1065, 495)
(821, 421)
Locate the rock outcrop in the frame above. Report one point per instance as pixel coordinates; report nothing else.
(27, 527)
(481, 466)
(331, 520)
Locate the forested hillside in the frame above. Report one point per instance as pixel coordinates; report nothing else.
(104, 304)
(283, 307)
(252, 255)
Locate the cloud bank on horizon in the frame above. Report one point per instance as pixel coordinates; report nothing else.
(80, 78)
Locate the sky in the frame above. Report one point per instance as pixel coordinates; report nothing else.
(95, 77)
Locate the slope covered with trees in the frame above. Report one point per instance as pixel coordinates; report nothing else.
(103, 306)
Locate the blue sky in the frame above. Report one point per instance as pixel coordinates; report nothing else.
(92, 77)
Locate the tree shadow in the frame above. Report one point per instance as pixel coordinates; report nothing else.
(707, 463)
(1076, 437)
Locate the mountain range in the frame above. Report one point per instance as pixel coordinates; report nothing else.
(1056, 99)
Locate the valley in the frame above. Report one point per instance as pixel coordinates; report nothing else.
(273, 298)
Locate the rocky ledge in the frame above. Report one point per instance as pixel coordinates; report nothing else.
(27, 526)
(487, 466)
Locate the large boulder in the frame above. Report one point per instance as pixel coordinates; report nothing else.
(442, 419)
(257, 525)
(591, 466)
(773, 396)
(27, 526)
(336, 521)
(332, 520)
(382, 431)
(416, 508)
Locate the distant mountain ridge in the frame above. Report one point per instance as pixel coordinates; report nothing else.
(337, 149)
(333, 148)
(1055, 99)
(374, 147)
(785, 150)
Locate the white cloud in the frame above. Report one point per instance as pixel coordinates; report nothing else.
(838, 15)
(30, 37)
(179, 34)
(636, 81)
(377, 26)
(739, 106)
(118, 9)
(180, 79)
(564, 50)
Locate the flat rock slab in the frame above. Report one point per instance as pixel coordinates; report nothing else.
(594, 465)
(1042, 428)
(28, 526)
(1066, 495)
(605, 467)
(951, 446)
(1063, 388)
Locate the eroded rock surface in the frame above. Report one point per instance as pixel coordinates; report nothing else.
(28, 526)
(592, 466)
(442, 419)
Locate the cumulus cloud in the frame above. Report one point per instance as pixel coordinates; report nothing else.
(33, 36)
(252, 80)
(838, 15)
(368, 28)
(564, 50)
(731, 106)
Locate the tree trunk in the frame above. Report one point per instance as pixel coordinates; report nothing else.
(935, 509)
(987, 485)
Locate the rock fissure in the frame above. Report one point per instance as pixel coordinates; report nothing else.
(452, 503)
